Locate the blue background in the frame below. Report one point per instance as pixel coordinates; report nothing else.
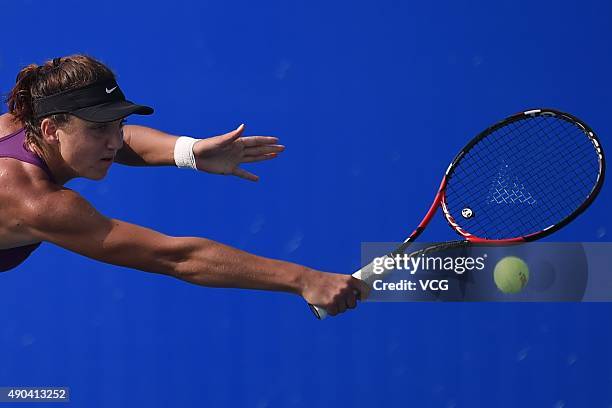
(372, 99)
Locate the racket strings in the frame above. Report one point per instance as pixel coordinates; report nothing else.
(573, 152)
(522, 178)
(558, 200)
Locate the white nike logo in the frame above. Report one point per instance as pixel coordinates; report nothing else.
(110, 90)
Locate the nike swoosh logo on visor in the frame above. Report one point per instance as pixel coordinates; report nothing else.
(110, 90)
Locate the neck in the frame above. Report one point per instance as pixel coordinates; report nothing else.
(57, 166)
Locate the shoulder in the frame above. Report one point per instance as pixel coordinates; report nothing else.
(48, 204)
(22, 181)
(25, 195)
(9, 124)
(58, 214)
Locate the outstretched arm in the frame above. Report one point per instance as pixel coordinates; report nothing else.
(63, 217)
(221, 154)
(143, 146)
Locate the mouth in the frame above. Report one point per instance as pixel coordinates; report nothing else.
(107, 159)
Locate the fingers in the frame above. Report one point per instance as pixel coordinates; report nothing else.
(362, 288)
(343, 303)
(230, 137)
(261, 153)
(347, 298)
(336, 293)
(351, 300)
(260, 150)
(332, 310)
(242, 173)
(263, 157)
(253, 141)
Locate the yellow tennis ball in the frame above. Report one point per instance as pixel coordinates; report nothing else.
(511, 274)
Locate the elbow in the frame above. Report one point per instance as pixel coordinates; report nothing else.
(167, 256)
(176, 257)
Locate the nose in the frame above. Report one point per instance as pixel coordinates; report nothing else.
(116, 141)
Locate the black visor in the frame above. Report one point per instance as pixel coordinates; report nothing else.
(99, 102)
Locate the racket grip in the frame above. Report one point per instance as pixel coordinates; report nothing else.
(365, 274)
(319, 312)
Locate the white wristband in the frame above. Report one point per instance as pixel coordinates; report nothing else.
(183, 153)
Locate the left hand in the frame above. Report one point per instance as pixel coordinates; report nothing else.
(223, 154)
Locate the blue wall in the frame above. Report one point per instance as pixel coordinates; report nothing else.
(372, 99)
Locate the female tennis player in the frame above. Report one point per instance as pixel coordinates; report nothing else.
(66, 120)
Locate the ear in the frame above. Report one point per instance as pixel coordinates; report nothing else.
(49, 130)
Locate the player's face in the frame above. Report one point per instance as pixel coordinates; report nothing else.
(89, 148)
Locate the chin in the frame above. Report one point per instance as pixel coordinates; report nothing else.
(96, 175)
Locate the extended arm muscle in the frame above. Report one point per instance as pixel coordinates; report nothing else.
(66, 219)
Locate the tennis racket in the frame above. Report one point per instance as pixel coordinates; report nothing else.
(517, 181)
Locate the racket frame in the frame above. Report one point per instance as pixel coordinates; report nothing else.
(440, 198)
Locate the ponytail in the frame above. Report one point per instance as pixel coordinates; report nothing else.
(19, 100)
(54, 76)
